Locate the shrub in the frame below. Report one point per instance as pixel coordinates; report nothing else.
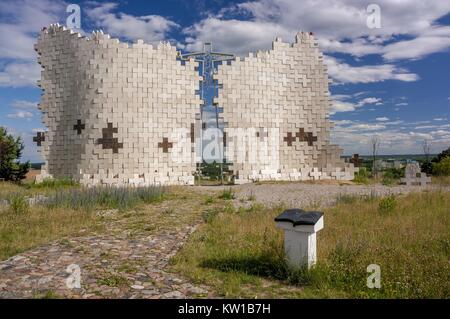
(442, 168)
(387, 204)
(392, 175)
(427, 167)
(18, 204)
(441, 155)
(362, 176)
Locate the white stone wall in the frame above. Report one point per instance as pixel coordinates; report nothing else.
(116, 114)
(121, 114)
(275, 108)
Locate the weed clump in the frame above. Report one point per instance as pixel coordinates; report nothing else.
(227, 194)
(387, 204)
(18, 204)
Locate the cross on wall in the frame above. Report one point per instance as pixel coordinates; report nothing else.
(165, 145)
(315, 174)
(289, 139)
(108, 140)
(39, 138)
(79, 127)
(302, 137)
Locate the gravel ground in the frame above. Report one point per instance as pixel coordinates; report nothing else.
(300, 195)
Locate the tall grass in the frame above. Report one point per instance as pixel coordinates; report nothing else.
(38, 225)
(240, 253)
(105, 197)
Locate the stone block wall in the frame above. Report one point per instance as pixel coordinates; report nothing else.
(121, 114)
(276, 114)
(116, 113)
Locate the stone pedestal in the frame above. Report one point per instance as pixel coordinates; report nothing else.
(300, 230)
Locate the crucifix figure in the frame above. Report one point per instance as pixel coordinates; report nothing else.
(108, 140)
(79, 127)
(208, 85)
(39, 138)
(165, 145)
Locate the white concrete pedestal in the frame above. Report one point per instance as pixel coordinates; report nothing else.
(300, 238)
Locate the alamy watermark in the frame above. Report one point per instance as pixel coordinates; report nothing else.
(74, 279)
(73, 21)
(374, 279)
(373, 20)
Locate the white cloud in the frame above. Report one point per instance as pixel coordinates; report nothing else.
(436, 39)
(440, 132)
(21, 21)
(401, 104)
(382, 119)
(439, 119)
(22, 104)
(340, 26)
(235, 36)
(344, 73)
(24, 19)
(20, 115)
(20, 74)
(340, 103)
(151, 28)
(343, 103)
(369, 100)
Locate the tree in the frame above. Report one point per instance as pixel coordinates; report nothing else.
(375, 142)
(441, 155)
(10, 152)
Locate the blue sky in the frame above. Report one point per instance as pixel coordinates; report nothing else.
(391, 81)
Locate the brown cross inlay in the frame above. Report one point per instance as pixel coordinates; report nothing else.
(79, 127)
(302, 137)
(289, 139)
(108, 140)
(39, 138)
(165, 145)
(310, 138)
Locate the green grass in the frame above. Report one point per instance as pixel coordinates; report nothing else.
(240, 253)
(227, 194)
(20, 231)
(52, 183)
(113, 280)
